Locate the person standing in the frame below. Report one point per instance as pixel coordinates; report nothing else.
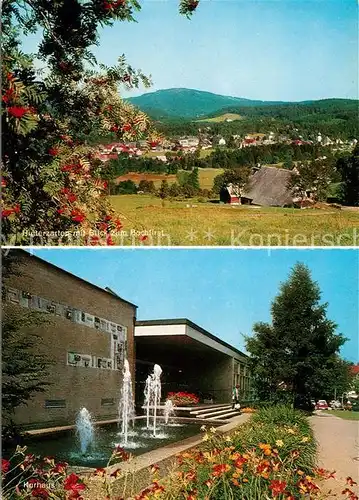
(235, 398)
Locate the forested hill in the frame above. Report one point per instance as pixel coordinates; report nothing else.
(188, 103)
(194, 104)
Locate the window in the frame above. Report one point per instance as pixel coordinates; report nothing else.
(51, 308)
(59, 309)
(107, 402)
(24, 299)
(13, 295)
(68, 314)
(55, 403)
(113, 327)
(35, 302)
(97, 323)
(104, 326)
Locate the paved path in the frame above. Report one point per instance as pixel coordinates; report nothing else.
(338, 449)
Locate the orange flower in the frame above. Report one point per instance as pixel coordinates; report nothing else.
(220, 469)
(277, 487)
(267, 449)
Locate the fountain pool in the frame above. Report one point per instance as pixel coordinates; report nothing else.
(65, 447)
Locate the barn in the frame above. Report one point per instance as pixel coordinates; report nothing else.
(230, 194)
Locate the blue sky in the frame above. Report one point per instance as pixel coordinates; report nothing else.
(269, 49)
(223, 290)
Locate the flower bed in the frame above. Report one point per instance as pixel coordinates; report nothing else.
(271, 456)
(183, 398)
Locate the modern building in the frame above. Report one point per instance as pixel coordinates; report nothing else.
(88, 333)
(192, 360)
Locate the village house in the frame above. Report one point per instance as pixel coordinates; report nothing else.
(188, 142)
(268, 186)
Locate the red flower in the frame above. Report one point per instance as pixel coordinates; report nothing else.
(126, 127)
(350, 481)
(143, 237)
(3, 182)
(17, 111)
(53, 151)
(153, 144)
(277, 487)
(72, 483)
(17, 209)
(5, 465)
(10, 76)
(109, 240)
(114, 128)
(6, 213)
(118, 224)
(71, 197)
(77, 216)
(9, 94)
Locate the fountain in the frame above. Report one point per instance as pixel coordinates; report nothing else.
(126, 409)
(169, 410)
(153, 396)
(85, 429)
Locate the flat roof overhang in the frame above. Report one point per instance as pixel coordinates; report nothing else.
(181, 335)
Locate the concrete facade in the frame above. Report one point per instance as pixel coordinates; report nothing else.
(192, 360)
(90, 332)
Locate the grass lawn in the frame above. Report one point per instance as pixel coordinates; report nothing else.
(206, 177)
(222, 118)
(192, 223)
(346, 415)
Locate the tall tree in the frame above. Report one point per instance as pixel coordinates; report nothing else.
(314, 177)
(238, 176)
(298, 350)
(348, 168)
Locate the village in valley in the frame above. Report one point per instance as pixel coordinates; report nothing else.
(198, 167)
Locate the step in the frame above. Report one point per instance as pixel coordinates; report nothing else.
(204, 410)
(227, 415)
(215, 412)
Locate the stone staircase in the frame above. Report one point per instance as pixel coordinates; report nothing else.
(215, 412)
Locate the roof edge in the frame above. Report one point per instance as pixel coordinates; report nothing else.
(188, 322)
(110, 293)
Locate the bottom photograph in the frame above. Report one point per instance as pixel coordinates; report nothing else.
(180, 374)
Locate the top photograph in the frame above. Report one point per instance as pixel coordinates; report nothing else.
(229, 123)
